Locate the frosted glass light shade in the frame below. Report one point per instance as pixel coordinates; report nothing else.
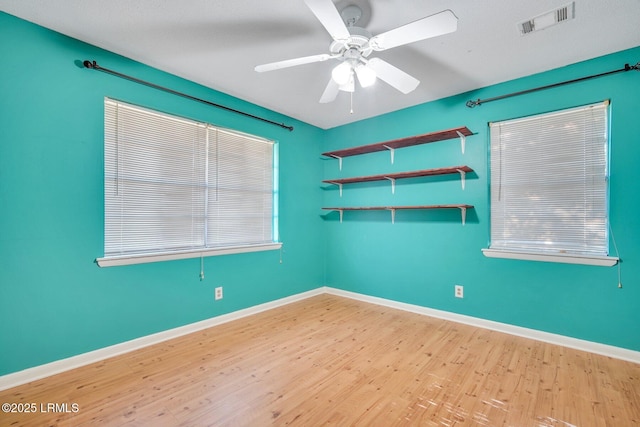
(366, 76)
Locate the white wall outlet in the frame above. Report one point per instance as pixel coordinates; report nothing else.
(459, 291)
(218, 293)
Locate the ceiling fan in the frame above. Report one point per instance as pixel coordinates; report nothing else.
(352, 46)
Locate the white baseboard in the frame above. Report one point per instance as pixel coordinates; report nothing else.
(575, 343)
(53, 368)
(38, 372)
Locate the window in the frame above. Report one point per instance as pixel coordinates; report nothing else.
(549, 187)
(176, 188)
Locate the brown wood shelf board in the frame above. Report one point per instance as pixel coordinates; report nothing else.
(400, 175)
(400, 143)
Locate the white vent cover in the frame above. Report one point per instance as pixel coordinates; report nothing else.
(546, 20)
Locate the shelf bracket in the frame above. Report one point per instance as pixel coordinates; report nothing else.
(339, 160)
(338, 184)
(393, 184)
(463, 212)
(392, 151)
(463, 176)
(462, 140)
(393, 216)
(341, 215)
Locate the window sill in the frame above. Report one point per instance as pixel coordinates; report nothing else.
(144, 258)
(604, 261)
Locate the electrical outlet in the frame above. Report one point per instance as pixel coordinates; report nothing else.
(218, 293)
(459, 291)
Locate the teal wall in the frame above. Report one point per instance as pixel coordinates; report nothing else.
(55, 302)
(421, 257)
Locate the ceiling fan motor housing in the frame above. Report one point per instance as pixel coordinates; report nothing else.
(358, 40)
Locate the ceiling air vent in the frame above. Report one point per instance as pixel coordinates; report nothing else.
(540, 22)
(527, 27)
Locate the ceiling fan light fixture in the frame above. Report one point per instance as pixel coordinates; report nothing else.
(352, 45)
(341, 73)
(366, 76)
(350, 86)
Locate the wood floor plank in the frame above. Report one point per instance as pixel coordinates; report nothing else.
(329, 360)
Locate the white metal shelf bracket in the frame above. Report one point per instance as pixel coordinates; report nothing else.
(463, 212)
(462, 140)
(338, 184)
(392, 151)
(341, 215)
(463, 176)
(339, 160)
(393, 184)
(393, 216)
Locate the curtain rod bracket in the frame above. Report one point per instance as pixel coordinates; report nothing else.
(632, 67)
(93, 65)
(471, 103)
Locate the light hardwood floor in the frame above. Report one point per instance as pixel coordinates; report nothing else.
(329, 360)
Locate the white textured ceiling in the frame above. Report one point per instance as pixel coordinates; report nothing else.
(217, 43)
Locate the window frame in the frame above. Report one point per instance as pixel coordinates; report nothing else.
(127, 257)
(543, 254)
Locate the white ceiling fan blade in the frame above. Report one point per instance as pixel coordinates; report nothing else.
(329, 17)
(393, 76)
(330, 92)
(435, 25)
(292, 62)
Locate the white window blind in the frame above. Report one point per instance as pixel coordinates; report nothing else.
(549, 183)
(177, 186)
(241, 209)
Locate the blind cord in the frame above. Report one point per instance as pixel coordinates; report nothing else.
(201, 268)
(615, 246)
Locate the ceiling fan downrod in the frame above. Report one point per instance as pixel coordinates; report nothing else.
(351, 15)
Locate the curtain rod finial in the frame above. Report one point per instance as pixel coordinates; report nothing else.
(90, 64)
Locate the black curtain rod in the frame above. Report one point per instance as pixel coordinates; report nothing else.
(627, 67)
(94, 66)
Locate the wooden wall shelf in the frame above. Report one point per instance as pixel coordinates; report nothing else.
(393, 209)
(460, 132)
(462, 170)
